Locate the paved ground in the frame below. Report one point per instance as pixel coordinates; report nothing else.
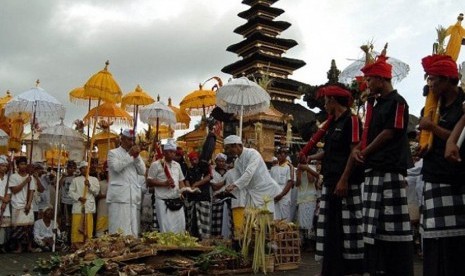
(22, 264)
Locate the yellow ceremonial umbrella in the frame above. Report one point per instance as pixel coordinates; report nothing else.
(198, 99)
(182, 118)
(5, 99)
(13, 124)
(78, 94)
(110, 112)
(103, 87)
(136, 98)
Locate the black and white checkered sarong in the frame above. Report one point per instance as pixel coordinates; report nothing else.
(443, 210)
(217, 218)
(385, 208)
(351, 224)
(202, 216)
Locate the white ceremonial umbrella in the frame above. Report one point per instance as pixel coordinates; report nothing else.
(3, 138)
(60, 136)
(157, 113)
(42, 106)
(243, 97)
(400, 70)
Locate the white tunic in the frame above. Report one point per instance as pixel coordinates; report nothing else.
(168, 221)
(255, 179)
(76, 190)
(7, 212)
(42, 231)
(124, 195)
(18, 200)
(123, 176)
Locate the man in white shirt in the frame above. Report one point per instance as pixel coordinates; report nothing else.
(83, 193)
(124, 195)
(22, 187)
(166, 176)
(283, 174)
(254, 178)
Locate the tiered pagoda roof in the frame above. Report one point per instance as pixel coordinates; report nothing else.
(262, 50)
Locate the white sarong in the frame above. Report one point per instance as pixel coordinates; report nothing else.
(124, 217)
(169, 221)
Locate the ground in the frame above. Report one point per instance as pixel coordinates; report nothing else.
(22, 264)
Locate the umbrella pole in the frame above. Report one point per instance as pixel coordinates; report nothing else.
(34, 107)
(136, 109)
(89, 160)
(156, 131)
(88, 125)
(240, 121)
(55, 212)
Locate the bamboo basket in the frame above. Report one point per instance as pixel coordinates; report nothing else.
(287, 254)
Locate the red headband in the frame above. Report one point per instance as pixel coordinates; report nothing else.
(380, 68)
(333, 91)
(440, 65)
(193, 155)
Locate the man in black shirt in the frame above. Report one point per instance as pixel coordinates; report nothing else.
(339, 227)
(199, 204)
(443, 214)
(384, 150)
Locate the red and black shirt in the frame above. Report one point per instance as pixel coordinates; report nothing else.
(436, 168)
(390, 112)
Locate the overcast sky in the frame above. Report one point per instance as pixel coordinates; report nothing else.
(168, 47)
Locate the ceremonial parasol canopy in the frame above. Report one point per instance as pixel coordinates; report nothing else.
(78, 94)
(400, 69)
(134, 99)
(183, 119)
(103, 87)
(242, 96)
(137, 97)
(157, 112)
(200, 99)
(42, 106)
(36, 101)
(60, 135)
(110, 112)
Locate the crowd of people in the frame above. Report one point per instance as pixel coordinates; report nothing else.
(363, 197)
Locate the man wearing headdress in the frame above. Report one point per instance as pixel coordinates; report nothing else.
(22, 187)
(253, 175)
(166, 176)
(82, 223)
(124, 194)
(339, 227)
(199, 204)
(385, 152)
(443, 213)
